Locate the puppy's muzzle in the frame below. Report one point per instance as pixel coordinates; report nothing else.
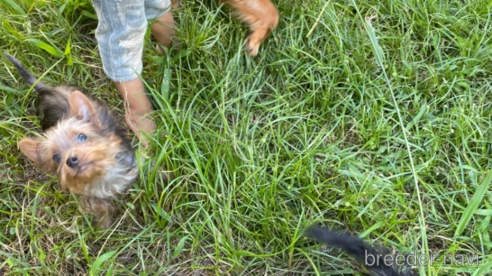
(73, 161)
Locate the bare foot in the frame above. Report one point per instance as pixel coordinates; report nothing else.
(164, 31)
(138, 109)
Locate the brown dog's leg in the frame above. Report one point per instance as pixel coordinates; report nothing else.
(262, 18)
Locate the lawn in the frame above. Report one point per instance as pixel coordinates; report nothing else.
(369, 116)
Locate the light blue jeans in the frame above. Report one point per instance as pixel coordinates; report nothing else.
(120, 34)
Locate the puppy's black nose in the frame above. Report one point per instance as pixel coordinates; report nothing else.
(72, 161)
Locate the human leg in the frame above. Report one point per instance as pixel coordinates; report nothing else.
(163, 27)
(120, 40)
(138, 108)
(163, 30)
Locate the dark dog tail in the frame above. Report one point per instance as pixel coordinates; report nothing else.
(30, 79)
(372, 259)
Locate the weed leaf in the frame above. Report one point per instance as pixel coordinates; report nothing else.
(473, 205)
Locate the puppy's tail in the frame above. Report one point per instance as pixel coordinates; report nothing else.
(30, 79)
(372, 259)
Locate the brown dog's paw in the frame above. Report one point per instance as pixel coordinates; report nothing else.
(261, 16)
(255, 38)
(252, 46)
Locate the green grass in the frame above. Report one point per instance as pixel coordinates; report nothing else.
(378, 121)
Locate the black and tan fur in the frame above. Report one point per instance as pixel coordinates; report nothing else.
(82, 143)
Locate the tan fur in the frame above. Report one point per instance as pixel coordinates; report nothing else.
(82, 108)
(261, 16)
(101, 209)
(30, 149)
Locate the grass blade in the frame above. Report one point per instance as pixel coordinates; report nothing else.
(484, 269)
(95, 269)
(15, 7)
(473, 205)
(180, 246)
(378, 52)
(48, 48)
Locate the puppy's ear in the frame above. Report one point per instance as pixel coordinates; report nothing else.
(29, 147)
(82, 107)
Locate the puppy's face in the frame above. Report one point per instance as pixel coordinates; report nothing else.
(74, 149)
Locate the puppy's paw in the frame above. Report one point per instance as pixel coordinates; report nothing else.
(102, 223)
(102, 210)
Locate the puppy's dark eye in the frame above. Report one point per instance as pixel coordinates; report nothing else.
(82, 137)
(56, 158)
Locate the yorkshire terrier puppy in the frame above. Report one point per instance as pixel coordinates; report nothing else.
(83, 144)
(361, 251)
